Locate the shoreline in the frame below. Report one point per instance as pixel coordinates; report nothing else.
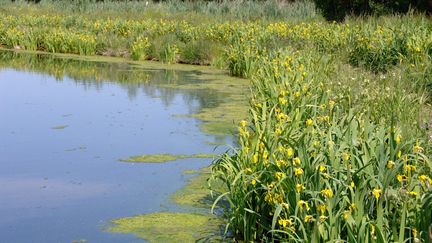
(151, 64)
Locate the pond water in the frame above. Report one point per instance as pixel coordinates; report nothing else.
(64, 126)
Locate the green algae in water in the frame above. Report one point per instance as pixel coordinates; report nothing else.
(59, 127)
(196, 193)
(168, 226)
(232, 106)
(76, 148)
(188, 172)
(80, 241)
(216, 143)
(160, 158)
(218, 128)
(178, 226)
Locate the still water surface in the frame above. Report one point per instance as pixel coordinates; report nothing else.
(64, 127)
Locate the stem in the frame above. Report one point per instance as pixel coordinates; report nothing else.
(402, 225)
(379, 215)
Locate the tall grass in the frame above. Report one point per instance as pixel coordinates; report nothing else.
(177, 9)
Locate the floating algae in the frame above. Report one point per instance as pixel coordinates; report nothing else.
(76, 148)
(188, 172)
(160, 158)
(215, 143)
(196, 193)
(59, 127)
(79, 241)
(222, 118)
(169, 227)
(193, 225)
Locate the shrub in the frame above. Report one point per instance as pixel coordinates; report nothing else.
(379, 49)
(338, 9)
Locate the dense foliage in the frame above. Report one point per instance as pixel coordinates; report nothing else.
(338, 9)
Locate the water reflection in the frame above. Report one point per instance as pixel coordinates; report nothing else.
(94, 75)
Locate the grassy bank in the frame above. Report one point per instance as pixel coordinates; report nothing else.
(336, 144)
(158, 31)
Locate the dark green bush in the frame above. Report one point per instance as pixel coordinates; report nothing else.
(338, 9)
